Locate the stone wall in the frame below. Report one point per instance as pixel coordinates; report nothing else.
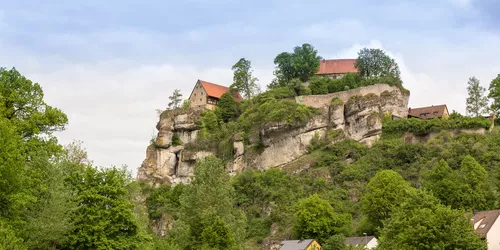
(318, 101)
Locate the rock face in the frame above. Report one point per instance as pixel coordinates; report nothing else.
(169, 164)
(356, 113)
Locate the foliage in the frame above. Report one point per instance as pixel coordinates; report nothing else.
(165, 199)
(22, 104)
(335, 242)
(429, 226)
(186, 104)
(208, 207)
(243, 81)
(494, 94)
(316, 219)
(324, 85)
(101, 196)
(301, 64)
(384, 193)
(477, 102)
(375, 63)
(176, 140)
(175, 100)
(228, 109)
(423, 127)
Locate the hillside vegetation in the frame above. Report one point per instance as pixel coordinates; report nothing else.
(408, 195)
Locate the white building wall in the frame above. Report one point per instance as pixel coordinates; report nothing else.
(372, 244)
(493, 236)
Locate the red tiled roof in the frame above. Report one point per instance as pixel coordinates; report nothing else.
(215, 90)
(432, 112)
(487, 219)
(336, 66)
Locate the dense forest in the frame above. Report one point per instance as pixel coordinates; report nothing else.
(409, 195)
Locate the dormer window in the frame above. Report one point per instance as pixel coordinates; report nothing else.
(482, 226)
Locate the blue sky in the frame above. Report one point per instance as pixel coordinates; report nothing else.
(110, 64)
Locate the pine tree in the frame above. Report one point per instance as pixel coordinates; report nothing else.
(175, 100)
(477, 102)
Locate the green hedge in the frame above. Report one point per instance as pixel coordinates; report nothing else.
(422, 127)
(321, 85)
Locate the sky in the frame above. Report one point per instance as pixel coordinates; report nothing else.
(110, 64)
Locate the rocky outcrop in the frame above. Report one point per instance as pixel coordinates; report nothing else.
(169, 164)
(357, 114)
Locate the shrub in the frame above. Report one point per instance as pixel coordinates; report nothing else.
(176, 140)
(423, 127)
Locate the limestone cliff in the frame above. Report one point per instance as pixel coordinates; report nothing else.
(357, 114)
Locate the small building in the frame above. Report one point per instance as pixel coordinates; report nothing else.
(206, 95)
(368, 242)
(431, 112)
(487, 226)
(336, 68)
(300, 245)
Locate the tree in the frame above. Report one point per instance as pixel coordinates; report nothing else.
(30, 187)
(495, 95)
(22, 103)
(207, 207)
(175, 100)
(228, 108)
(384, 193)
(375, 63)
(476, 102)
(335, 242)
(302, 64)
(475, 189)
(429, 227)
(243, 81)
(103, 218)
(316, 219)
(443, 183)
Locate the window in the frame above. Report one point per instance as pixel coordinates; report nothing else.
(435, 112)
(482, 226)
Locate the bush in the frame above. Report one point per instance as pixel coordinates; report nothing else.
(176, 140)
(423, 127)
(318, 85)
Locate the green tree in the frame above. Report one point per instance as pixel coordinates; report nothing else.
(103, 218)
(494, 94)
(335, 242)
(216, 234)
(243, 80)
(228, 109)
(376, 63)
(27, 151)
(209, 125)
(316, 219)
(384, 193)
(433, 227)
(208, 207)
(175, 99)
(475, 189)
(302, 64)
(443, 183)
(477, 102)
(319, 85)
(22, 103)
